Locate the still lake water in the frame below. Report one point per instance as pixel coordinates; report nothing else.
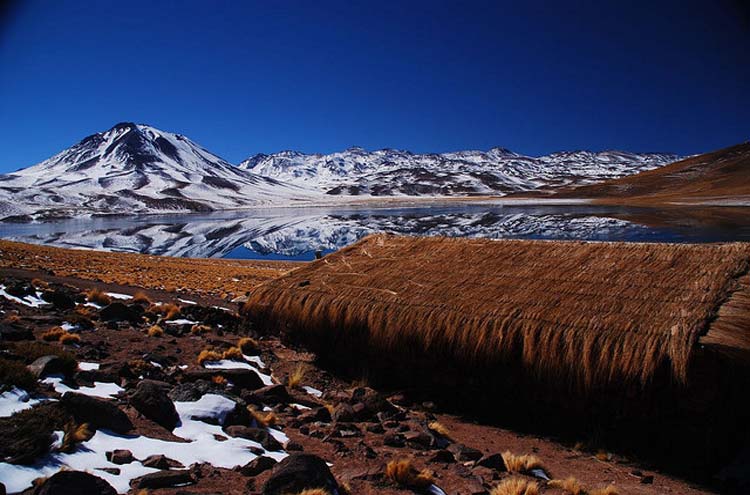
(296, 233)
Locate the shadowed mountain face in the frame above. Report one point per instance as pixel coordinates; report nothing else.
(718, 177)
(136, 168)
(497, 171)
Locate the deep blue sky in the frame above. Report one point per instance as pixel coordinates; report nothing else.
(247, 77)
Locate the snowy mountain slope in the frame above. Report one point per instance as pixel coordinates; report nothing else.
(497, 171)
(138, 168)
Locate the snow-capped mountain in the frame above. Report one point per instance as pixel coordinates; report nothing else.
(137, 168)
(402, 173)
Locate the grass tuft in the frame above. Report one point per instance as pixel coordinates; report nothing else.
(233, 353)
(402, 472)
(521, 463)
(605, 490)
(98, 296)
(30, 351)
(264, 419)
(140, 297)
(68, 338)
(570, 486)
(314, 491)
(155, 331)
(295, 377)
(208, 355)
(219, 380)
(439, 428)
(73, 435)
(39, 284)
(199, 329)
(248, 346)
(516, 486)
(53, 334)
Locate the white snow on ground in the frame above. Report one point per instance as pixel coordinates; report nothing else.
(255, 359)
(14, 400)
(100, 389)
(186, 301)
(117, 295)
(93, 305)
(228, 364)
(181, 322)
(31, 301)
(88, 366)
(69, 327)
(202, 447)
(313, 391)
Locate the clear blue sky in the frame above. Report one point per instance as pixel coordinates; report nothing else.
(245, 77)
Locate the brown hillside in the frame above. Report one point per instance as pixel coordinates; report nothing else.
(716, 176)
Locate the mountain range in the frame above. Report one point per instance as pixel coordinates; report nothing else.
(134, 168)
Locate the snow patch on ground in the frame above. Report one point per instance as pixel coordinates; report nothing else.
(313, 391)
(31, 301)
(227, 364)
(100, 389)
(15, 400)
(117, 295)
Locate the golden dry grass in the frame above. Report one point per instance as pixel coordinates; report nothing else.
(570, 486)
(594, 313)
(521, 463)
(209, 277)
(403, 472)
(200, 329)
(605, 490)
(263, 419)
(219, 380)
(98, 296)
(233, 353)
(296, 376)
(39, 284)
(68, 338)
(53, 334)
(74, 434)
(314, 491)
(141, 297)
(155, 331)
(516, 486)
(208, 355)
(248, 345)
(439, 428)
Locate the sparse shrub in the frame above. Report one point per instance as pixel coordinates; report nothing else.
(200, 329)
(140, 366)
(68, 338)
(98, 296)
(85, 311)
(248, 345)
(402, 472)
(171, 311)
(155, 331)
(521, 463)
(53, 334)
(73, 435)
(314, 491)
(219, 380)
(295, 377)
(439, 428)
(208, 355)
(604, 456)
(33, 350)
(569, 485)
(605, 490)
(264, 419)
(141, 297)
(14, 373)
(233, 353)
(516, 486)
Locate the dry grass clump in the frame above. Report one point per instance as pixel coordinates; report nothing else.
(516, 486)
(295, 377)
(603, 455)
(98, 296)
(402, 472)
(439, 428)
(198, 329)
(569, 485)
(39, 284)
(314, 491)
(584, 314)
(141, 297)
(73, 435)
(263, 419)
(605, 490)
(68, 338)
(248, 345)
(167, 311)
(208, 355)
(233, 353)
(521, 463)
(14, 373)
(85, 311)
(155, 331)
(53, 334)
(219, 380)
(30, 351)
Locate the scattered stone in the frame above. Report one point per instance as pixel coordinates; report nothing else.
(419, 439)
(151, 400)
(343, 413)
(98, 413)
(78, 482)
(299, 472)
(164, 479)
(316, 414)
(120, 456)
(47, 365)
(21, 289)
(14, 333)
(257, 466)
(493, 461)
(292, 446)
(647, 480)
(270, 395)
(28, 434)
(256, 435)
(160, 461)
(393, 439)
(118, 311)
(463, 453)
(443, 457)
(241, 378)
(111, 470)
(60, 299)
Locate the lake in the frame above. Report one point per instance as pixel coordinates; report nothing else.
(297, 233)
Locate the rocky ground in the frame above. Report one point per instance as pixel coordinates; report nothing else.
(111, 388)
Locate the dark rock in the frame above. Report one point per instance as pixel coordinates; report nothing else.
(419, 439)
(368, 403)
(347, 430)
(118, 311)
(393, 439)
(91, 376)
(292, 446)
(299, 472)
(255, 434)
(20, 289)
(161, 462)
(47, 365)
(151, 400)
(60, 299)
(14, 333)
(164, 479)
(99, 413)
(28, 434)
(463, 453)
(270, 395)
(343, 413)
(78, 482)
(120, 456)
(193, 391)
(241, 378)
(443, 457)
(647, 480)
(316, 414)
(493, 461)
(257, 466)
